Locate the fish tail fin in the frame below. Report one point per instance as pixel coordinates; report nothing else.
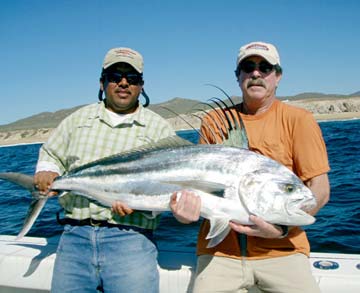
(33, 212)
(37, 203)
(22, 180)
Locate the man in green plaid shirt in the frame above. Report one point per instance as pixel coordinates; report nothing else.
(104, 249)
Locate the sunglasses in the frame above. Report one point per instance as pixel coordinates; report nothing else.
(249, 66)
(116, 77)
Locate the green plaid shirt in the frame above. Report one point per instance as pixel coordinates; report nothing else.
(87, 135)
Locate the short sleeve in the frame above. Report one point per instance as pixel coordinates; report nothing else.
(309, 149)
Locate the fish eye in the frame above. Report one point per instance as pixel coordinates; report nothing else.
(289, 188)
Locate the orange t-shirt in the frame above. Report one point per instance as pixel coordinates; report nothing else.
(291, 136)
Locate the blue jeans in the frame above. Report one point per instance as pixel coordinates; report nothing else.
(110, 259)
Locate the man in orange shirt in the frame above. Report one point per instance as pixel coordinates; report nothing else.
(270, 257)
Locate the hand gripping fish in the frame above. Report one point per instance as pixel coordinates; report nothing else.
(233, 183)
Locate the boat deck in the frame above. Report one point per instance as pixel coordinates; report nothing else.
(26, 266)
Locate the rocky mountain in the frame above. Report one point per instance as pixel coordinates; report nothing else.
(356, 94)
(52, 119)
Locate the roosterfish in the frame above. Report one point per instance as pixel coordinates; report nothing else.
(232, 181)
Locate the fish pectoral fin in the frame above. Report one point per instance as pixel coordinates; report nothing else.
(219, 229)
(218, 233)
(32, 214)
(216, 240)
(216, 189)
(217, 225)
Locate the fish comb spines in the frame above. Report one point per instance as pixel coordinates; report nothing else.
(229, 123)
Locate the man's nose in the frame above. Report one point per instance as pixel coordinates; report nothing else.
(123, 82)
(255, 74)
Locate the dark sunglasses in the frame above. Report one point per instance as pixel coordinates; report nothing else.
(116, 77)
(249, 66)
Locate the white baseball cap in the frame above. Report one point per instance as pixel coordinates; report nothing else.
(265, 50)
(125, 55)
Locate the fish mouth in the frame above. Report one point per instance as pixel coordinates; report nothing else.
(308, 206)
(305, 218)
(299, 212)
(303, 205)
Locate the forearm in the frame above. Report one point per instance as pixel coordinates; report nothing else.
(320, 187)
(54, 153)
(47, 166)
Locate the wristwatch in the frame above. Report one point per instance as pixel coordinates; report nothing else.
(285, 231)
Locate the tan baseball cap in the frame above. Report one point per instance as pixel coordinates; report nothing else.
(125, 55)
(265, 50)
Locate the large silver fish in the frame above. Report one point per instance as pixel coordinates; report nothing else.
(232, 183)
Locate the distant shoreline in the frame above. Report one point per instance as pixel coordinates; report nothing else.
(38, 130)
(22, 137)
(337, 116)
(21, 143)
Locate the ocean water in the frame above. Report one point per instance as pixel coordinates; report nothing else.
(337, 228)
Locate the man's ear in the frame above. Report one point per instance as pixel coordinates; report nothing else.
(278, 78)
(101, 84)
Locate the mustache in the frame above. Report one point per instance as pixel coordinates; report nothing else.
(256, 82)
(121, 89)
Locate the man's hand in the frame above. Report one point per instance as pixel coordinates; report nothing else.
(43, 181)
(186, 206)
(259, 229)
(121, 208)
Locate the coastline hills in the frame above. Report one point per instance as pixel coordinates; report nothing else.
(37, 128)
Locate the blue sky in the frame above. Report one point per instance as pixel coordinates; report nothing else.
(52, 51)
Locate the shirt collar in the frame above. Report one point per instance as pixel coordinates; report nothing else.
(135, 118)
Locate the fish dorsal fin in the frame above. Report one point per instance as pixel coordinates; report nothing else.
(226, 121)
(173, 141)
(167, 142)
(225, 125)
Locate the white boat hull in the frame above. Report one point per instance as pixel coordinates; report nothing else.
(27, 265)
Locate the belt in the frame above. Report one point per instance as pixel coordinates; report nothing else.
(98, 223)
(148, 233)
(86, 222)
